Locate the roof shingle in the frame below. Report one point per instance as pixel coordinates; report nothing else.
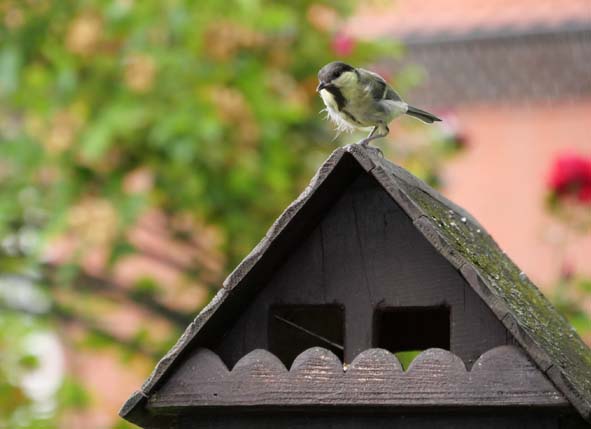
(407, 19)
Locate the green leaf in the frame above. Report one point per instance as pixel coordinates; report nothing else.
(10, 65)
(120, 249)
(146, 287)
(73, 394)
(407, 357)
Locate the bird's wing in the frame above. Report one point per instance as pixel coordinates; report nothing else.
(392, 95)
(378, 87)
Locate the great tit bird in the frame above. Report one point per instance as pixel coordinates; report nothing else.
(357, 98)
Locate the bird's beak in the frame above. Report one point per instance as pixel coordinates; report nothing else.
(321, 86)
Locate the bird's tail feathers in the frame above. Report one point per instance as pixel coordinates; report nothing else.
(422, 115)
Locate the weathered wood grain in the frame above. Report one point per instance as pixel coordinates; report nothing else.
(390, 186)
(245, 268)
(258, 363)
(346, 419)
(431, 233)
(374, 362)
(500, 377)
(365, 254)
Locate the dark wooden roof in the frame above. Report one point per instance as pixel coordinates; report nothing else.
(543, 333)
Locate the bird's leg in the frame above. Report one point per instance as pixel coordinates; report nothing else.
(374, 135)
(366, 140)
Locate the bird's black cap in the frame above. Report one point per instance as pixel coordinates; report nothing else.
(333, 70)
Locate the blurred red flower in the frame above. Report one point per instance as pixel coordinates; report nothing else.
(570, 176)
(452, 131)
(342, 45)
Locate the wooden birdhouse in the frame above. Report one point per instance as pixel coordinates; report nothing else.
(368, 267)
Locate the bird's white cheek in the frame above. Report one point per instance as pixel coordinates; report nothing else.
(328, 99)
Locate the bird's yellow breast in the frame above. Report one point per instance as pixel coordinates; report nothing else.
(332, 109)
(329, 100)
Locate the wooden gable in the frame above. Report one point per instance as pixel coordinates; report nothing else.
(366, 256)
(373, 250)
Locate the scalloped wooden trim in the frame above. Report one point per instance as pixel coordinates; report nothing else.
(503, 376)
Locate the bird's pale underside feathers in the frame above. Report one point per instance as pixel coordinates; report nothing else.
(375, 90)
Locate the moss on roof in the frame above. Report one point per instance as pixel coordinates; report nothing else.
(548, 329)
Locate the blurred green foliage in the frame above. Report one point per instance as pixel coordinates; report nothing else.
(214, 102)
(571, 297)
(18, 361)
(202, 111)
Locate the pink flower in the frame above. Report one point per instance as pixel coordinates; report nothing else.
(452, 130)
(342, 45)
(567, 270)
(585, 194)
(570, 176)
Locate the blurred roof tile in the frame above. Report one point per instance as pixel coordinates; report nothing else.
(410, 19)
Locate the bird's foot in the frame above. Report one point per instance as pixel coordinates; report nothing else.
(365, 144)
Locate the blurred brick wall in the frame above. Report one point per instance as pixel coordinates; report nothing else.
(501, 179)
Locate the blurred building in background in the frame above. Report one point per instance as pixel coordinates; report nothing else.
(515, 78)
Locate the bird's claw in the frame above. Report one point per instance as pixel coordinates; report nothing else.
(365, 144)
